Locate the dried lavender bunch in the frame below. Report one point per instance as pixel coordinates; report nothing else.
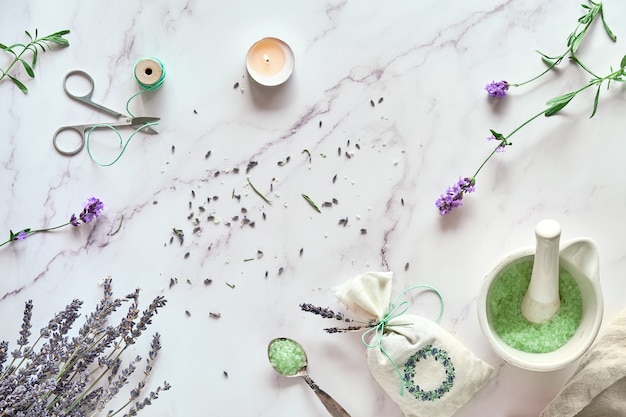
(76, 376)
(327, 313)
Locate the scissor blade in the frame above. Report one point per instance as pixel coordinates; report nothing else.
(139, 121)
(136, 121)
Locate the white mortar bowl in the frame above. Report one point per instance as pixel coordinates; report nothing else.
(587, 278)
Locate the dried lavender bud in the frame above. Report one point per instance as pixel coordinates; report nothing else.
(251, 165)
(342, 329)
(326, 313)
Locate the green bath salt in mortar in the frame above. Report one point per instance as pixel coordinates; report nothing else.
(286, 356)
(504, 308)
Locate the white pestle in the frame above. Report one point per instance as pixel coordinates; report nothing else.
(542, 301)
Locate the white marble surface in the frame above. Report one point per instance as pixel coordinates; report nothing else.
(429, 60)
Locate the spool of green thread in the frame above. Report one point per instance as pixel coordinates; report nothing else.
(149, 73)
(504, 309)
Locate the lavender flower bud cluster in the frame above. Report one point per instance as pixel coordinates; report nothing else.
(497, 89)
(326, 313)
(91, 210)
(454, 195)
(59, 375)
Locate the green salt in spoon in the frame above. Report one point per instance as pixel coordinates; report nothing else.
(289, 359)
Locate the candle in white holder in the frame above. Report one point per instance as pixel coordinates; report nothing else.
(270, 62)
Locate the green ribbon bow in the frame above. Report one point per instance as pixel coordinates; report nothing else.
(396, 309)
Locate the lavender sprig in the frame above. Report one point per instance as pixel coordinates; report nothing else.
(327, 313)
(92, 209)
(499, 89)
(453, 197)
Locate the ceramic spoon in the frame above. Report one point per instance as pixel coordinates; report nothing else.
(289, 359)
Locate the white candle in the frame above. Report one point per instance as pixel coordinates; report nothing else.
(270, 62)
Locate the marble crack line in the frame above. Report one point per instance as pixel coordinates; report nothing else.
(384, 262)
(42, 274)
(303, 120)
(330, 11)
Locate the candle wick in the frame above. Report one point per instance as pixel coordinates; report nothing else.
(266, 58)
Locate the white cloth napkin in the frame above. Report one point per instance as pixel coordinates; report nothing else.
(598, 386)
(422, 367)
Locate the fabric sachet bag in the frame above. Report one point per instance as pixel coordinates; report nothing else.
(421, 366)
(598, 386)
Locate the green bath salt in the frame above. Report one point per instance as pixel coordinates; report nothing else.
(504, 304)
(286, 356)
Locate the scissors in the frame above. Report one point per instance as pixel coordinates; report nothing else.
(82, 130)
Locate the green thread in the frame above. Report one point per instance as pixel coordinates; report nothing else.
(144, 87)
(119, 135)
(396, 310)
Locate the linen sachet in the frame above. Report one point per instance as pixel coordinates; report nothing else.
(421, 366)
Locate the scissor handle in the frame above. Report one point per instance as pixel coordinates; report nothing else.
(81, 132)
(86, 98)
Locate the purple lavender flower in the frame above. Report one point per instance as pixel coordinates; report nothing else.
(454, 195)
(497, 89)
(502, 144)
(74, 221)
(20, 236)
(91, 210)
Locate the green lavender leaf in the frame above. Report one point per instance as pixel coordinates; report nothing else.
(28, 69)
(606, 27)
(18, 84)
(595, 101)
(577, 40)
(498, 136)
(556, 104)
(622, 64)
(565, 98)
(311, 203)
(58, 38)
(547, 56)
